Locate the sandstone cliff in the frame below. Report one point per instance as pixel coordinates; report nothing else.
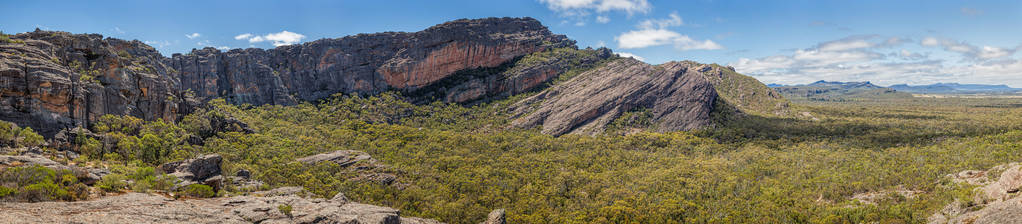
(364, 63)
(56, 80)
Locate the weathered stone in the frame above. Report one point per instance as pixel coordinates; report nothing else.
(995, 201)
(55, 81)
(243, 173)
(495, 217)
(89, 176)
(201, 170)
(153, 208)
(679, 98)
(345, 158)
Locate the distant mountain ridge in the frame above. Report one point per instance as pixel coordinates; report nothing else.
(837, 91)
(957, 88)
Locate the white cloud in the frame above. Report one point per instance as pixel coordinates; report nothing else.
(672, 20)
(969, 51)
(601, 44)
(630, 55)
(580, 11)
(859, 42)
(654, 32)
(575, 7)
(278, 39)
(193, 35)
(870, 58)
(158, 44)
(207, 43)
(243, 36)
(118, 30)
(656, 37)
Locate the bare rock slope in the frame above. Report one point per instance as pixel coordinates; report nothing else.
(260, 207)
(679, 97)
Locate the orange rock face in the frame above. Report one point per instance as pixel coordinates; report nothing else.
(453, 57)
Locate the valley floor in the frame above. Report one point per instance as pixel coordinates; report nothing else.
(881, 161)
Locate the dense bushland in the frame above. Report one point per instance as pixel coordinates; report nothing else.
(455, 163)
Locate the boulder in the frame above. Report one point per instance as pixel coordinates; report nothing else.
(345, 158)
(495, 217)
(88, 176)
(996, 200)
(201, 170)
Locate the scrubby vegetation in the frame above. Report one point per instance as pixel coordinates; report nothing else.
(11, 135)
(456, 163)
(37, 183)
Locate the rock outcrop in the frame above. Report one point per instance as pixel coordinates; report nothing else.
(679, 98)
(355, 161)
(153, 208)
(996, 200)
(201, 170)
(53, 81)
(86, 175)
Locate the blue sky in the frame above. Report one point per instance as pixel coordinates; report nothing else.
(887, 42)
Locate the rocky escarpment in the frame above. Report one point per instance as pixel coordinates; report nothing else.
(364, 63)
(259, 207)
(53, 81)
(677, 95)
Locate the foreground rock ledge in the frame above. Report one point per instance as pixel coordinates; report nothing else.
(154, 208)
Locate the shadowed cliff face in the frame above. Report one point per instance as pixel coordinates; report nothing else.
(56, 80)
(365, 63)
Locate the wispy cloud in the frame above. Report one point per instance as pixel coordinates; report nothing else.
(884, 60)
(243, 36)
(971, 11)
(581, 11)
(118, 30)
(277, 39)
(193, 35)
(655, 32)
(207, 43)
(672, 20)
(158, 44)
(969, 51)
(586, 6)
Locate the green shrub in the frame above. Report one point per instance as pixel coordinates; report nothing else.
(30, 138)
(198, 191)
(285, 208)
(112, 183)
(6, 191)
